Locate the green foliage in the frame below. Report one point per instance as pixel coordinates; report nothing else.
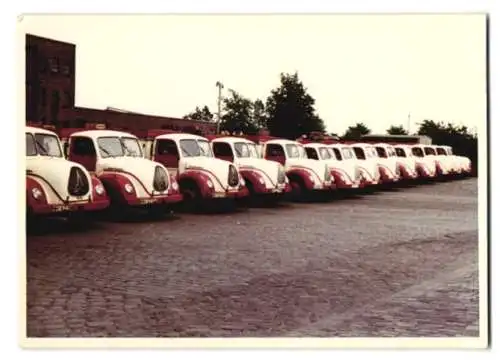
(397, 130)
(259, 114)
(238, 114)
(202, 114)
(459, 138)
(290, 109)
(356, 131)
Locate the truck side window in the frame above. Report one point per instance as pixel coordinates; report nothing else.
(381, 152)
(167, 147)
(222, 149)
(311, 153)
(274, 150)
(82, 146)
(338, 156)
(400, 152)
(359, 153)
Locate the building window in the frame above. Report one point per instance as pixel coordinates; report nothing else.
(68, 101)
(65, 70)
(54, 105)
(42, 64)
(54, 65)
(43, 96)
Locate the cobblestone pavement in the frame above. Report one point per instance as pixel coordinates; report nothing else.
(393, 263)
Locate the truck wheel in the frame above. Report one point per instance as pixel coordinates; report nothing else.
(298, 190)
(117, 210)
(192, 200)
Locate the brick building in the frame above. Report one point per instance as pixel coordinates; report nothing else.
(50, 94)
(50, 79)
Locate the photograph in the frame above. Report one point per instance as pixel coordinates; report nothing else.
(285, 176)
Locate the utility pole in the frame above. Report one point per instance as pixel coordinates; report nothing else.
(409, 118)
(220, 86)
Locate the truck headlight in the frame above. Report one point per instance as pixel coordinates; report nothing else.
(36, 193)
(328, 175)
(175, 186)
(261, 180)
(210, 184)
(129, 188)
(99, 189)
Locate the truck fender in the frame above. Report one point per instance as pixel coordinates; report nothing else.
(114, 184)
(95, 182)
(301, 175)
(30, 184)
(200, 179)
(252, 177)
(337, 173)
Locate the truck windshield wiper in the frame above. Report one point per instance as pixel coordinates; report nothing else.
(105, 151)
(41, 147)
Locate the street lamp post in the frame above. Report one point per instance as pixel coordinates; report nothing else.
(220, 86)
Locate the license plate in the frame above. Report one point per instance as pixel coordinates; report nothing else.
(61, 208)
(147, 201)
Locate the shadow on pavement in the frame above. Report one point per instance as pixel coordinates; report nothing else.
(59, 225)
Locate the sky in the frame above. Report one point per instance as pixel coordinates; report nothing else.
(375, 69)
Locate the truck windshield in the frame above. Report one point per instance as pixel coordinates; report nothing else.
(43, 144)
(246, 150)
(324, 154)
(194, 147)
(372, 152)
(296, 151)
(391, 152)
(114, 146)
(253, 150)
(131, 146)
(347, 153)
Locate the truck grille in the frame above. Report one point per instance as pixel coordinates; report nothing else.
(233, 177)
(78, 183)
(160, 180)
(281, 176)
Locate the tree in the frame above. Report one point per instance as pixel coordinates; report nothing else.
(259, 115)
(463, 141)
(290, 109)
(238, 113)
(397, 130)
(356, 131)
(202, 114)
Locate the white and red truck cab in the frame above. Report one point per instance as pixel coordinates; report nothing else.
(262, 177)
(116, 158)
(406, 161)
(367, 159)
(55, 185)
(201, 176)
(305, 175)
(344, 151)
(425, 161)
(444, 164)
(387, 160)
(463, 164)
(344, 172)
